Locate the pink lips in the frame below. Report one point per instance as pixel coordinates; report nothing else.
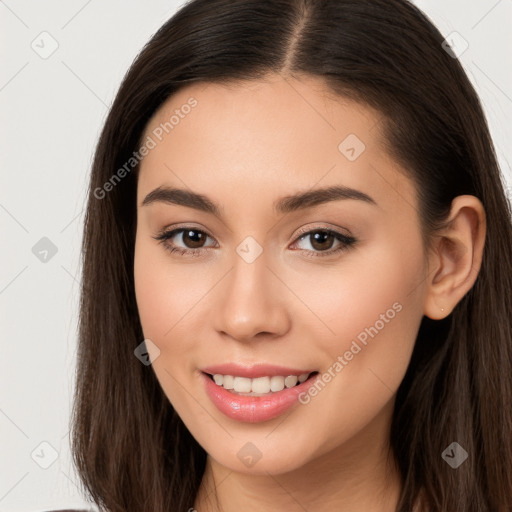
(253, 409)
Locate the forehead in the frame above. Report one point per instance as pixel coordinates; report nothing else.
(267, 138)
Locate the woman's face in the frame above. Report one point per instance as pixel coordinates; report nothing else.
(332, 283)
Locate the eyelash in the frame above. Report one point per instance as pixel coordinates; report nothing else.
(346, 242)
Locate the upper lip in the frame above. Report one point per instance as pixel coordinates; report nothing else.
(254, 371)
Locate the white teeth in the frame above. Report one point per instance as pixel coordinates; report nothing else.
(290, 381)
(228, 381)
(259, 385)
(276, 383)
(242, 385)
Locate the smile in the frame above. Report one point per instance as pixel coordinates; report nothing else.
(251, 406)
(259, 386)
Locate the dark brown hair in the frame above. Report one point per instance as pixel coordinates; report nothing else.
(132, 451)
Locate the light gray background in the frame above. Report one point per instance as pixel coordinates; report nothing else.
(52, 110)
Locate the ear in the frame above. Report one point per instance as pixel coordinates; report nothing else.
(455, 257)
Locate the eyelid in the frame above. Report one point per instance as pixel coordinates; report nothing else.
(186, 225)
(324, 227)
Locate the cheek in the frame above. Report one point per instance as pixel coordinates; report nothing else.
(165, 296)
(150, 283)
(386, 308)
(376, 317)
(163, 293)
(368, 310)
(170, 300)
(371, 317)
(347, 298)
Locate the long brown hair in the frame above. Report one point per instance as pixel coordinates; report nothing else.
(131, 449)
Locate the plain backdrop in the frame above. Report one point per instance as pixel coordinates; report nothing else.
(52, 110)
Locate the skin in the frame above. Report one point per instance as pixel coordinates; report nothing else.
(244, 146)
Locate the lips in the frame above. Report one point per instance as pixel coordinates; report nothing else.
(254, 409)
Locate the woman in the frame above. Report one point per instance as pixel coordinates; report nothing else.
(297, 271)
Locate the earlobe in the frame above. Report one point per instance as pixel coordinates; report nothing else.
(456, 257)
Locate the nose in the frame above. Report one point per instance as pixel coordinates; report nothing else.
(252, 302)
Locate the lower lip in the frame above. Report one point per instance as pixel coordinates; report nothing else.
(253, 409)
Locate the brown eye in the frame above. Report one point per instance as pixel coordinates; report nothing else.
(321, 240)
(191, 242)
(193, 238)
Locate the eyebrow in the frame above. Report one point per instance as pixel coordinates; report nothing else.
(286, 204)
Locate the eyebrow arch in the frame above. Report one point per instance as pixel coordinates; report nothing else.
(315, 197)
(291, 203)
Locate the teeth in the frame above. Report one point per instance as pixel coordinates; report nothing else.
(290, 381)
(276, 383)
(242, 385)
(227, 381)
(259, 385)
